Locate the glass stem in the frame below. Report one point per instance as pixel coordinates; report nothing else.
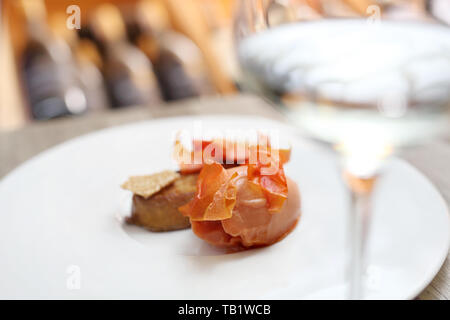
(361, 192)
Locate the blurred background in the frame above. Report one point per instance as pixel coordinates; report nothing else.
(132, 52)
(125, 53)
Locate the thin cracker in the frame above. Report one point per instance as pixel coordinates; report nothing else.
(148, 185)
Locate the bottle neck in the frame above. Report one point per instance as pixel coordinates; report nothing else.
(35, 16)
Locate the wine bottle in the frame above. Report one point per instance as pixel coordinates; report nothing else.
(49, 77)
(188, 18)
(177, 61)
(86, 59)
(128, 73)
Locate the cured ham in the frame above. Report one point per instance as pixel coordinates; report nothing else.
(251, 204)
(228, 153)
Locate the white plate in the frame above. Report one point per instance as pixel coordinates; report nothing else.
(61, 234)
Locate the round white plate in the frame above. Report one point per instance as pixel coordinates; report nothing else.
(62, 236)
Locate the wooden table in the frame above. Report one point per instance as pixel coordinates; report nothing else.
(18, 146)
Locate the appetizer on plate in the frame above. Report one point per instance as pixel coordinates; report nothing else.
(235, 195)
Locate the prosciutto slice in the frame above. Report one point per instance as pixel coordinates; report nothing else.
(242, 206)
(228, 153)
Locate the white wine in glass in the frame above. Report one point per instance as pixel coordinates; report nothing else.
(362, 83)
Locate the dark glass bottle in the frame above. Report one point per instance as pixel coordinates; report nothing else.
(177, 61)
(86, 59)
(49, 75)
(128, 73)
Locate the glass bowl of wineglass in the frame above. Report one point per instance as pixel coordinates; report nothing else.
(366, 77)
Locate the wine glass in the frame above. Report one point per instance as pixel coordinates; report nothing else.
(367, 77)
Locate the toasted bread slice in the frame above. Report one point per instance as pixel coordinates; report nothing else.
(160, 211)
